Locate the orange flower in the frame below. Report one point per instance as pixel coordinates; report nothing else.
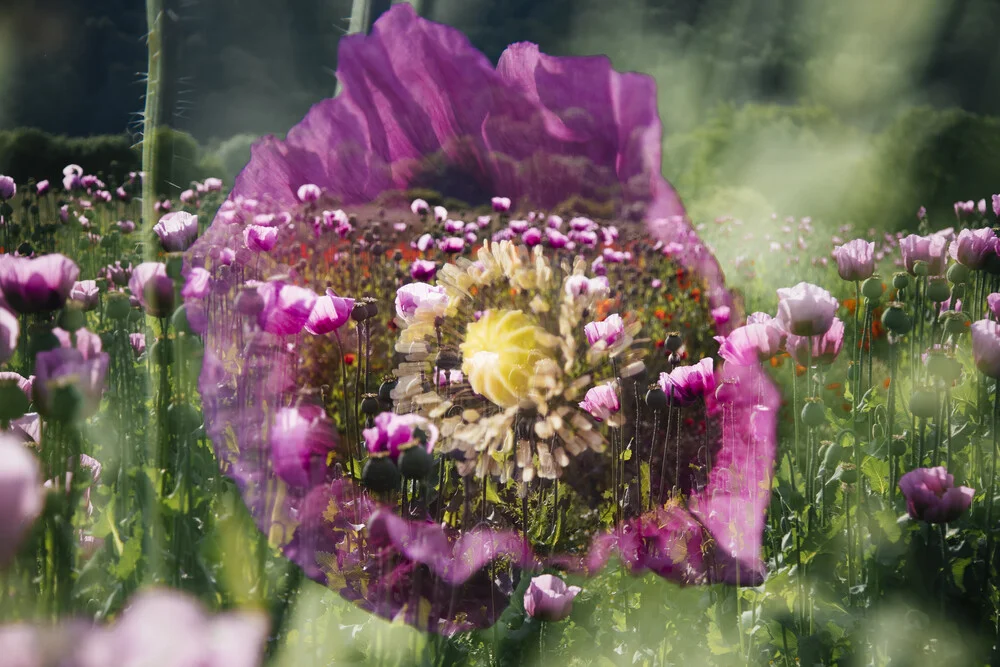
(660, 313)
(349, 359)
(886, 382)
(799, 370)
(850, 305)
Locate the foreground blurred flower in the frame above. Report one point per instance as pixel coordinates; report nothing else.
(68, 387)
(21, 494)
(986, 347)
(756, 341)
(9, 329)
(177, 231)
(931, 495)
(37, 285)
(806, 310)
(432, 537)
(548, 598)
(855, 260)
(687, 384)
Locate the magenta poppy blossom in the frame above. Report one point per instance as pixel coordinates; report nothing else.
(177, 231)
(931, 495)
(501, 204)
(993, 302)
(419, 207)
(825, 348)
(301, 438)
(806, 309)
(37, 285)
(150, 284)
(329, 313)
(686, 384)
(8, 188)
(421, 109)
(138, 343)
(423, 270)
(855, 260)
(259, 238)
(285, 308)
(21, 496)
(972, 247)
(607, 335)
(65, 372)
(601, 401)
(931, 250)
(996, 205)
(42, 188)
(391, 432)
(756, 341)
(548, 598)
(986, 347)
(9, 330)
(85, 293)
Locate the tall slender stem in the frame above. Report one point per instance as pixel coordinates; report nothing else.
(151, 115)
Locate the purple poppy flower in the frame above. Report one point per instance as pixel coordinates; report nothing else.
(420, 300)
(825, 348)
(501, 204)
(993, 302)
(555, 238)
(986, 347)
(21, 495)
(806, 309)
(452, 244)
(601, 401)
(855, 260)
(166, 627)
(752, 343)
(996, 205)
(67, 385)
(972, 247)
(532, 237)
(197, 284)
(721, 315)
(138, 343)
(8, 188)
(154, 289)
(37, 285)
(42, 188)
(260, 239)
(594, 288)
(301, 438)
(608, 335)
(423, 270)
(329, 313)
(391, 433)
(419, 207)
(177, 231)
(548, 598)
(85, 293)
(931, 495)
(687, 384)
(9, 329)
(286, 308)
(537, 129)
(931, 250)
(86, 342)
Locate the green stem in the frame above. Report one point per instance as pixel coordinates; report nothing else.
(151, 117)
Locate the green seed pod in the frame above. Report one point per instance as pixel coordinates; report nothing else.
(117, 306)
(656, 399)
(370, 405)
(385, 390)
(898, 446)
(814, 413)
(872, 288)
(944, 367)
(938, 290)
(848, 475)
(13, 402)
(900, 280)
(380, 474)
(834, 455)
(415, 462)
(957, 292)
(956, 323)
(958, 274)
(924, 403)
(179, 321)
(72, 318)
(673, 342)
(896, 320)
(184, 418)
(163, 351)
(920, 268)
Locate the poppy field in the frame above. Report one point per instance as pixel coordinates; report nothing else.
(449, 375)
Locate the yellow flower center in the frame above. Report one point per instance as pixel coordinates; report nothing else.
(499, 355)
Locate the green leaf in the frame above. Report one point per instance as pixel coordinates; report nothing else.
(877, 472)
